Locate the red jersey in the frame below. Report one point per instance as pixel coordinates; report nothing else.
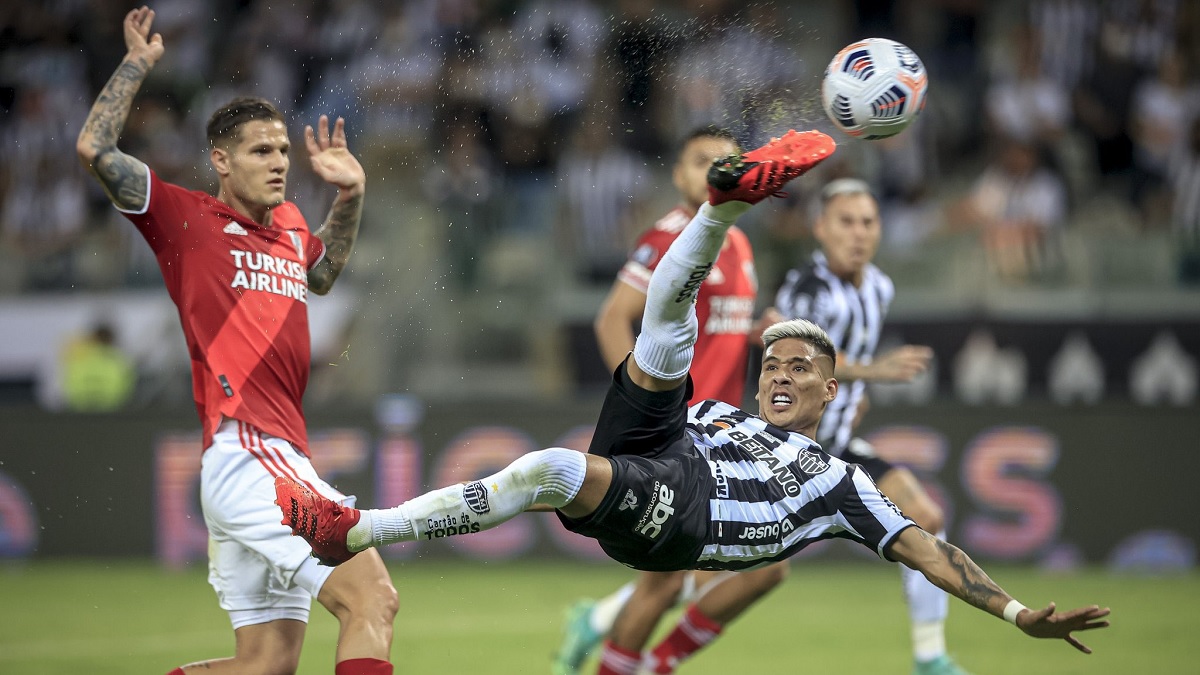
(724, 306)
(242, 293)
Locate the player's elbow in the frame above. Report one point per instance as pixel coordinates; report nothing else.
(86, 150)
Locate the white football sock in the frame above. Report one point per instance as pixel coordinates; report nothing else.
(552, 477)
(605, 611)
(928, 606)
(664, 347)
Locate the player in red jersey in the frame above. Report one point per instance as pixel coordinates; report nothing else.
(725, 314)
(239, 267)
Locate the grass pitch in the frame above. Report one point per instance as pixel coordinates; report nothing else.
(115, 617)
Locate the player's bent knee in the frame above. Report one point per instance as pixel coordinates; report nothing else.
(553, 475)
(361, 589)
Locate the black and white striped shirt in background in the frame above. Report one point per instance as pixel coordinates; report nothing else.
(853, 318)
(776, 492)
(1183, 171)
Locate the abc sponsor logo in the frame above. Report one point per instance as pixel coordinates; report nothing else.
(657, 513)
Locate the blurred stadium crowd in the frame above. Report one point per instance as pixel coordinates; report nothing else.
(515, 148)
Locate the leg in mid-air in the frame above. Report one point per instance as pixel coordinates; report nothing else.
(928, 605)
(720, 598)
(566, 480)
(711, 601)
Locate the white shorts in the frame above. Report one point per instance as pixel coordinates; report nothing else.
(253, 559)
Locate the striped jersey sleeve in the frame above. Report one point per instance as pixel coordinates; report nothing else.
(777, 492)
(853, 317)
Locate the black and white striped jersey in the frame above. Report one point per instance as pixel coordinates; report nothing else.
(776, 492)
(853, 318)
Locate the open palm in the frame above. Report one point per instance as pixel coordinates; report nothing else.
(1046, 623)
(331, 159)
(138, 39)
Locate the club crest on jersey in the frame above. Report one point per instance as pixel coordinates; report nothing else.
(811, 463)
(476, 497)
(234, 228)
(299, 245)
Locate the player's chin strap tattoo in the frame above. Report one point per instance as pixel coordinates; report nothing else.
(339, 234)
(669, 329)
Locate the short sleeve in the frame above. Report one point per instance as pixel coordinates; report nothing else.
(314, 251)
(647, 253)
(164, 214)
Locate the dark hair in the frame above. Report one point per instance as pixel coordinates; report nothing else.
(225, 122)
(708, 131)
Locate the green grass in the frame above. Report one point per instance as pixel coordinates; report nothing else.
(101, 617)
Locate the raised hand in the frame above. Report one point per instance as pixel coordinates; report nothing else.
(331, 159)
(138, 39)
(902, 364)
(1046, 623)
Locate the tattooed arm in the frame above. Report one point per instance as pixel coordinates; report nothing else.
(332, 161)
(124, 177)
(948, 568)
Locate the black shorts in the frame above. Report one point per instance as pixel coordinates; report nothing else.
(655, 513)
(863, 454)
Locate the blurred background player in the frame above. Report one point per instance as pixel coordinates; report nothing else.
(725, 310)
(844, 293)
(239, 267)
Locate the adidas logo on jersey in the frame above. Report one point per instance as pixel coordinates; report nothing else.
(234, 228)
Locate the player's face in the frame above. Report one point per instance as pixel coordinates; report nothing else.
(849, 232)
(253, 168)
(794, 385)
(691, 169)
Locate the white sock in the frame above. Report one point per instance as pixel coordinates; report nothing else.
(928, 606)
(929, 640)
(664, 347)
(552, 477)
(604, 613)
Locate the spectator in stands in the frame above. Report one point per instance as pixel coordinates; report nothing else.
(1184, 176)
(97, 375)
(1019, 207)
(1164, 106)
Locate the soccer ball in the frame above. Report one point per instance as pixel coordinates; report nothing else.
(874, 88)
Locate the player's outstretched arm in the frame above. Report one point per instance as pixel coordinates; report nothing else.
(332, 161)
(663, 352)
(123, 177)
(948, 568)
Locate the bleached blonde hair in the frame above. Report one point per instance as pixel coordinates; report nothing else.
(801, 329)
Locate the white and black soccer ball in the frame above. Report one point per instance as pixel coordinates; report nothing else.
(874, 88)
